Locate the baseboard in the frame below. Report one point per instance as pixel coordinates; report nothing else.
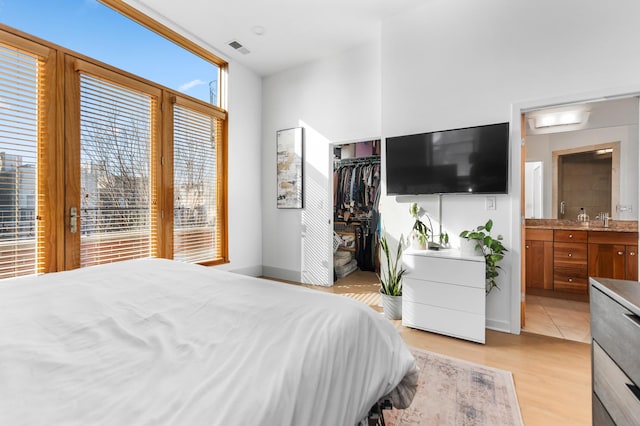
(252, 271)
(280, 274)
(497, 325)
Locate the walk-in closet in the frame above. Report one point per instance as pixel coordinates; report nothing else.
(356, 194)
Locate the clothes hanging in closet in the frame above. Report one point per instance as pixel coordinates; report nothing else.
(356, 189)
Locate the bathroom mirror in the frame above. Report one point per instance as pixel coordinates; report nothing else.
(583, 156)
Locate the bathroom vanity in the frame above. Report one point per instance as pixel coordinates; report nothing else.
(561, 255)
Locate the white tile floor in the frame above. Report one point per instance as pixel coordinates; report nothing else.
(566, 319)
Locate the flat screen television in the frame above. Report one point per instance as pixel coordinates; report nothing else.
(472, 160)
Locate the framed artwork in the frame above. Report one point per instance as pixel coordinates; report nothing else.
(290, 159)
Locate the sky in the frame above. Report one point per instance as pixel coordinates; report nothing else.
(90, 28)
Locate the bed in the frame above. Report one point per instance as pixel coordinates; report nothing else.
(159, 342)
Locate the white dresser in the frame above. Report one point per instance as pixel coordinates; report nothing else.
(444, 292)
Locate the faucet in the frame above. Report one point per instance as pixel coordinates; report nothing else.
(604, 217)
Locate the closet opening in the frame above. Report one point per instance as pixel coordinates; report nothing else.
(356, 195)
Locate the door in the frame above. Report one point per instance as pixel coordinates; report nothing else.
(523, 263)
(533, 189)
(111, 174)
(317, 236)
(31, 177)
(534, 255)
(607, 261)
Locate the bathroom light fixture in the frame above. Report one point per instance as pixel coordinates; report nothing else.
(559, 118)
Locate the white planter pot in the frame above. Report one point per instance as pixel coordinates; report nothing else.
(416, 244)
(470, 247)
(391, 306)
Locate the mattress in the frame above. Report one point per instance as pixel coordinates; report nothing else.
(159, 342)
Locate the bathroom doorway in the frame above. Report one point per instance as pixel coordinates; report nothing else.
(605, 143)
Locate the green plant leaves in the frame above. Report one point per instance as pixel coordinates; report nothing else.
(391, 278)
(492, 248)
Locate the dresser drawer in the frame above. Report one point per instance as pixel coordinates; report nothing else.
(615, 390)
(450, 296)
(538, 234)
(570, 236)
(570, 253)
(617, 330)
(610, 237)
(599, 415)
(446, 270)
(573, 279)
(449, 322)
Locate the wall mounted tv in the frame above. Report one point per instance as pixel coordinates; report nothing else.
(473, 160)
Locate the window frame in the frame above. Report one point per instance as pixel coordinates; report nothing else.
(146, 21)
(61, 248)
(50, 170)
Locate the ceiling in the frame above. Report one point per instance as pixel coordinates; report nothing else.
(294, 31)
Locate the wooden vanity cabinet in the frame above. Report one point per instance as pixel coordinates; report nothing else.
(613, 255)
(570, 272)
(539, 258)
(562, 260)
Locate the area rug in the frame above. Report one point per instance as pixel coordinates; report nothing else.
(455, 392)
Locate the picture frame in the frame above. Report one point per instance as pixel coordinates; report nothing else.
(290, 160)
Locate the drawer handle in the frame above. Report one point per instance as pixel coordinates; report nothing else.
(570, 280)
(632, 253)
(570, 235)
(633, 318)
(570, 255)
(634, 390)
(620, 253)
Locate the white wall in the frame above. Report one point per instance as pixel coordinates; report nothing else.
(446, 65)
(336, 99)
(244, 165)
(464, 63)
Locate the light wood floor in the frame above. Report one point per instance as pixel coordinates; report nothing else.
(552, 376)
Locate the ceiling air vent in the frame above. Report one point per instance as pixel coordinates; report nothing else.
(239, 47)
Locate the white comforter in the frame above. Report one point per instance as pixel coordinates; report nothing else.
(155, 342)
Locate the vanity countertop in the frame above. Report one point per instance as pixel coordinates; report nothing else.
(591, 225)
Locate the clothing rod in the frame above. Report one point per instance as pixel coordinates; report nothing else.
(361, 160)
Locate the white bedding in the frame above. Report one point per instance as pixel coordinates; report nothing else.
(155, 342)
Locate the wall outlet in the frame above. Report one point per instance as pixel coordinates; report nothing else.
(490, 203)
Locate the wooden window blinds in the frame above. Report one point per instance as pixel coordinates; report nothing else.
(21, 169)
(115, 173)
(197, 218)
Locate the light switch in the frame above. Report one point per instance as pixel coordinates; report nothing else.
(490, 203)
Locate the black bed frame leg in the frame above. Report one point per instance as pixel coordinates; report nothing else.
(376, 414)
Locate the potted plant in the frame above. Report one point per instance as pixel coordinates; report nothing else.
(492, 249)
(420, 231)
(391, 273)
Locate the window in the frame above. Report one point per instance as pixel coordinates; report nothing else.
(197, 218)
(24, 124)
(117, 34)
(98, 165)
